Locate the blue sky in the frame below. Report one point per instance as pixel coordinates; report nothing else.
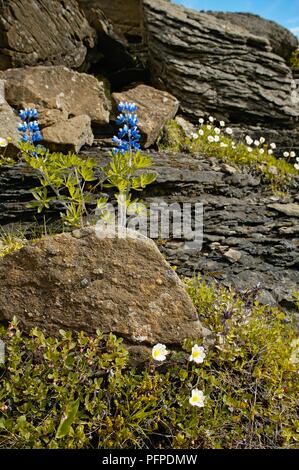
(285, 12)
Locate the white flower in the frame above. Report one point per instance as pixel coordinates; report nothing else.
(273, 145)
(211, 119)
(197, 398)
(256, 143)
(229, 130)
(201, 132)
(217, 130)
(222, 124)
(296, 166)
(159, 352)
(249, 149)
(270, 152)
(197, 354)
(262, 140)
(262, 151)
(194, 135)
(286, 154)
(209, 127)
(292, 154)
(222, 144)
(201, 120)
(210, 138)
(249, 140)
(216, 138)
(3, 142)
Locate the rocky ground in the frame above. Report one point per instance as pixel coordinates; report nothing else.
(250, 236)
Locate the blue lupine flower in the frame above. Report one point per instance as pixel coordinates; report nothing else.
(29, 129)
(128, 135)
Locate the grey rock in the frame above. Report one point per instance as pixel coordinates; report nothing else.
(282, 41)
(287, 209)
(214, 66)
(49, 32)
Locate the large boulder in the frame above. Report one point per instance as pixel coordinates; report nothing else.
(58, 89)
(9, 121)
(60, 94)
(155, 108)
(282, 41)
(80, 281)
(213, 66)
(49, 32)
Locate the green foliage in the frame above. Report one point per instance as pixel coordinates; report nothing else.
(123, 172)
(295, 59)
(63, 180)
(77, 391)
(10, 241)
(255, 376)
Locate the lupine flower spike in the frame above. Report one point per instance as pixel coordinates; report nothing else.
(128, 135)
(29, 127)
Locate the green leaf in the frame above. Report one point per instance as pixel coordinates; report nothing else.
(67, 419)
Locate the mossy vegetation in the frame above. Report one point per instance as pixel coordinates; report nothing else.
(295, 59)
(172, 138)
(77, 391)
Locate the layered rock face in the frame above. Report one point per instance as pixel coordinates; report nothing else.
(213, 66)
(282, 41)
(250, 236)
(47, 32)
(79, 281)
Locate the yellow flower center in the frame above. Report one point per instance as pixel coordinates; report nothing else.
(157, 353)
(196, 354)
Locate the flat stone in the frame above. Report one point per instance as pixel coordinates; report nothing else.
(69, 135)
(291, 209)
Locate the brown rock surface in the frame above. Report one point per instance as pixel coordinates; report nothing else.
(57, 89)
(125, 15)
(155, 107)
(80, 282)
(71, 134)
(9, 121)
